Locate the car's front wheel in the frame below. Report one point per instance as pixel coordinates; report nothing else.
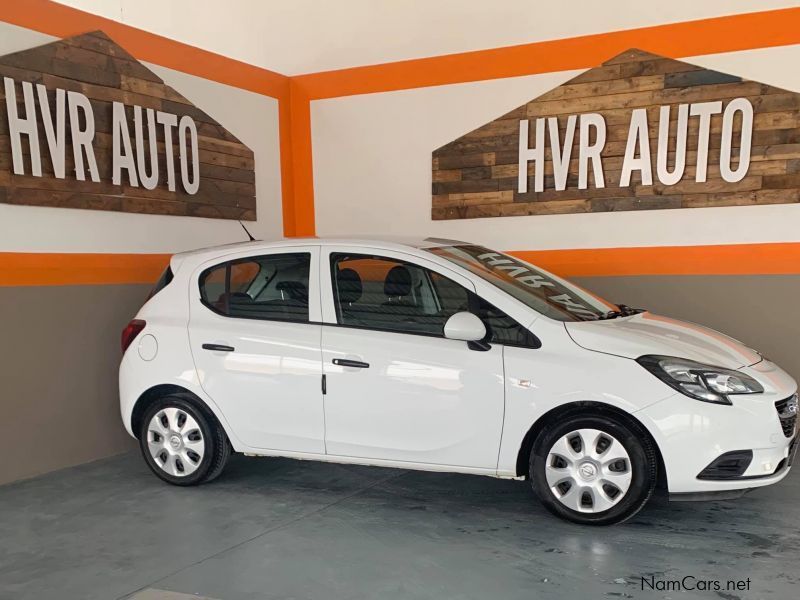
(181, 444)
(593, 469)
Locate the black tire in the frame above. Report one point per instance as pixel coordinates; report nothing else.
(217, 448)
(221, 460)
(643, 466)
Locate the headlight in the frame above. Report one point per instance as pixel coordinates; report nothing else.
(699, 381)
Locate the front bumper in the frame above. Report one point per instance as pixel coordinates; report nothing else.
(692, 434)
(781, 471)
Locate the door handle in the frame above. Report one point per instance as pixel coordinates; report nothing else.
(346, 362)
(218, 347)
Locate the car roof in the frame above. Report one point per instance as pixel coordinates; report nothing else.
(384, 242)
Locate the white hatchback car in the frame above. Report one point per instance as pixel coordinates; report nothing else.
(444, 356)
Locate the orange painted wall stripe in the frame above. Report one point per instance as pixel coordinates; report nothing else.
(286, 133)
(62, 21)
(302, 202)
(46, 268)
(729, 259)
(705, 36)
(19, 269)
(691, 38)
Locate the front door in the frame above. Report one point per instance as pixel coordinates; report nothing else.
(255, 337)
(397, 390)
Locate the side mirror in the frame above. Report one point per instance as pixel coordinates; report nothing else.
(464, 326)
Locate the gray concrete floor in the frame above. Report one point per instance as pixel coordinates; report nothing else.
(276, 528)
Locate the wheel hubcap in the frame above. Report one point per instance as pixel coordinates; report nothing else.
(175, 442)
(588, 470)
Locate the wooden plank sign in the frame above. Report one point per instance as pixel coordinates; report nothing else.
(83, 124)
(639, 132)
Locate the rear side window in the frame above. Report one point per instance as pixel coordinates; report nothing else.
(163, 281)
(272, 287)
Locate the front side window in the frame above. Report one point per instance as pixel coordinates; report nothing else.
(502, 328)
(272, 287)
(393, 295)
(538, 289)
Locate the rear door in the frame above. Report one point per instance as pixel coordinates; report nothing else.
(255, 337)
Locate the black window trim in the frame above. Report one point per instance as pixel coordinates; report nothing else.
(204, 273)
(535, 344)
(163, 281)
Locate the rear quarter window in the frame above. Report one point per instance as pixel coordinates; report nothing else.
(163, 281)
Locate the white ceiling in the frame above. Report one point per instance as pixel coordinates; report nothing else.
(302, 36)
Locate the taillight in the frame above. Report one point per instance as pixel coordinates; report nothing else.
(130, 332)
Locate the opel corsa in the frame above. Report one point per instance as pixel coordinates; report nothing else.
(445, 356)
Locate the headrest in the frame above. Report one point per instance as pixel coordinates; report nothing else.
(232, 298)
(294, 290)
(398, 282)
(349, 285)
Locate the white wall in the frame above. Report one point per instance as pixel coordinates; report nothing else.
(372, 169)
(305, 36)
(251, 117)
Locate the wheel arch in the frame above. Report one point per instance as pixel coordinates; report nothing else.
(585, 408)
(153, 394)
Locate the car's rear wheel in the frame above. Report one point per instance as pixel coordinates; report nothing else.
(181, 444)
(593, 469)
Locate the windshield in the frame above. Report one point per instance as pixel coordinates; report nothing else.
(540, 290)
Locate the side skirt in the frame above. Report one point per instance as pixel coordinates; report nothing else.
(395, 464)
(703, 496)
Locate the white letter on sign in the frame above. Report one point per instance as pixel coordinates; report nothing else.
(149, 182)
(638, 135)
(168, 121)
(122, 158)
(587, 152)
(55, 135)
(535, 154)
(82, 138)
(664, 176)
(190, 185)
(27, 126)
(743, 106)
(704, 110)
(561, 155)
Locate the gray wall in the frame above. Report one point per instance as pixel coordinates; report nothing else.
(60, 345)
(60, 353)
